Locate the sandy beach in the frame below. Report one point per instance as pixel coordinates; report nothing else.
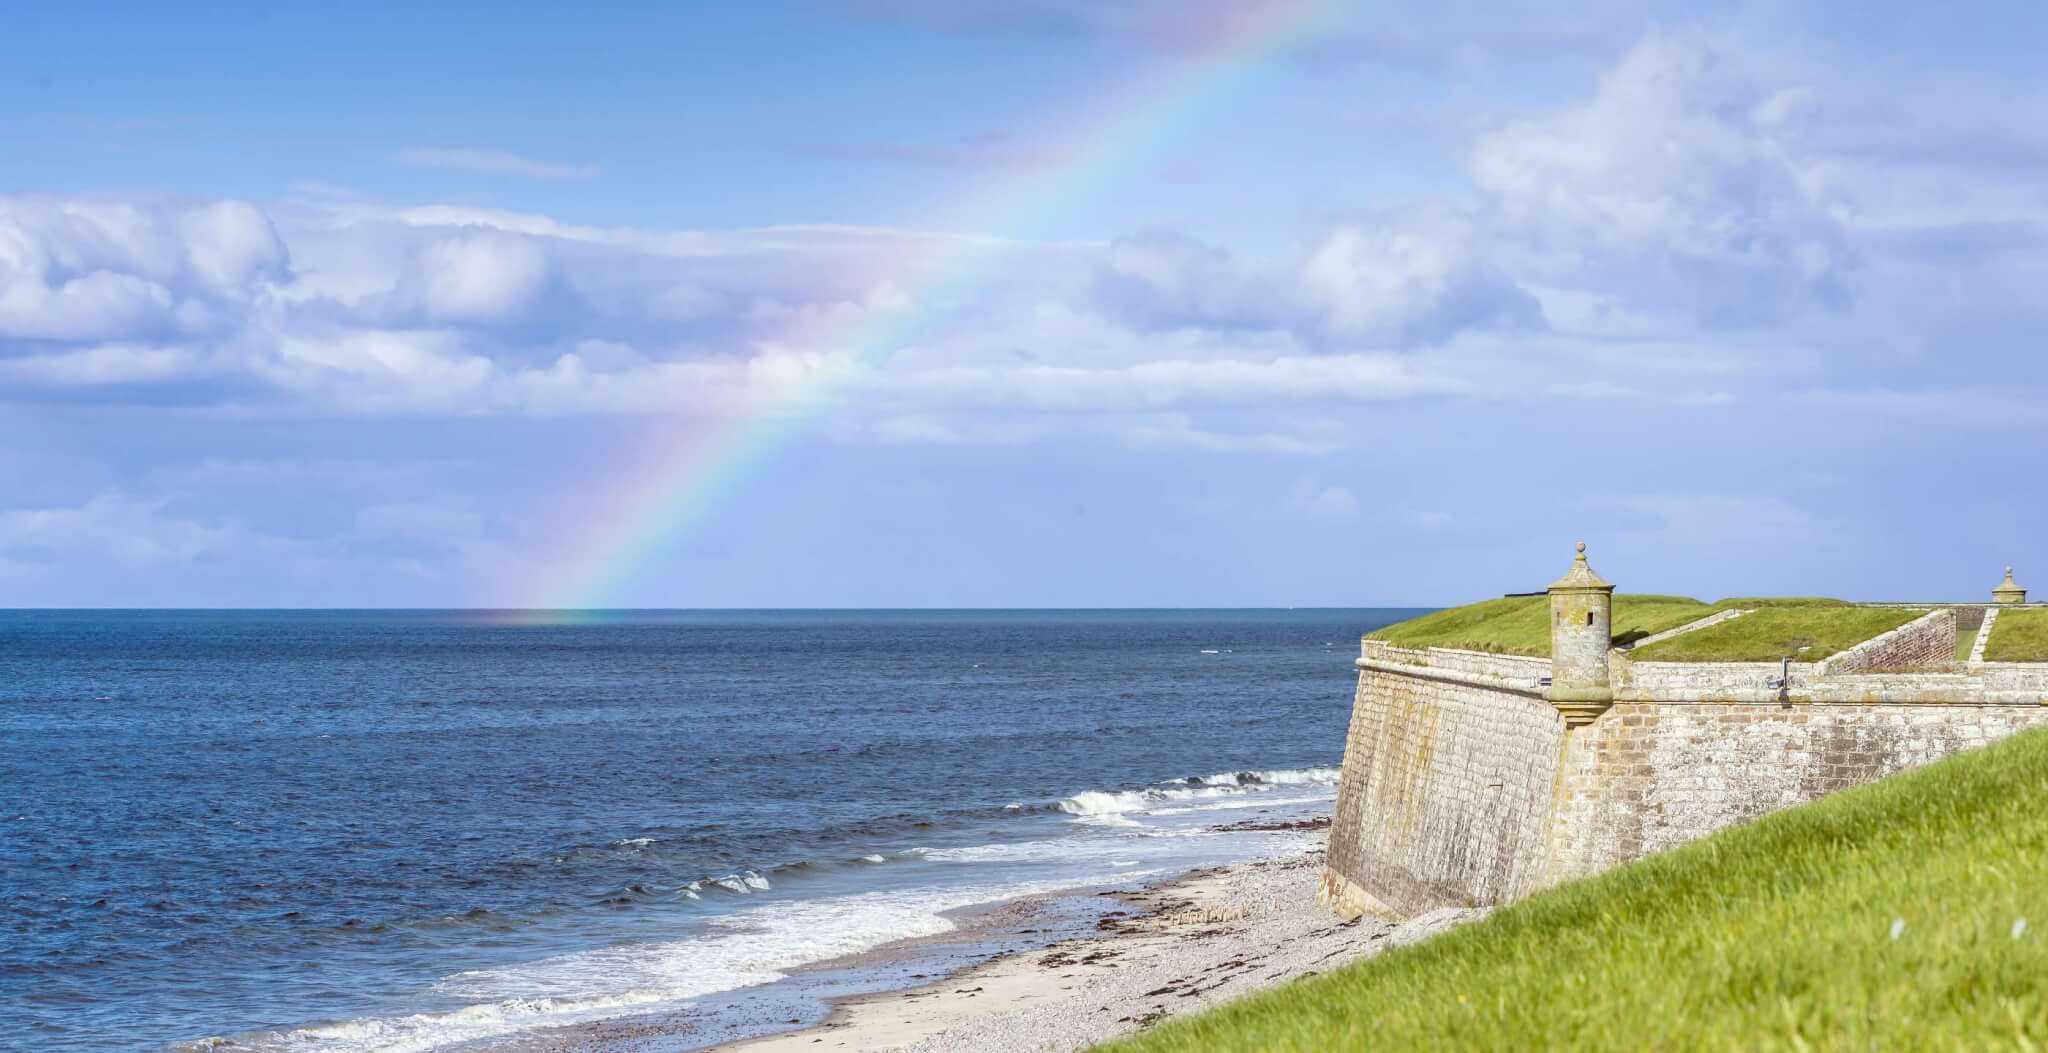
(1175, 947)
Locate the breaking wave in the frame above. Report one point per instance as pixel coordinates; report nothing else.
(1211, 788)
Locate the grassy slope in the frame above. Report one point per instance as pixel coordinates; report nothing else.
(1775, 935)
(1751, 603)
(1521, 624)
(2018, 636)
(1775, 632)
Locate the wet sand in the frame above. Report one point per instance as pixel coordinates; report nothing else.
(1053, 972)
(1176, 947)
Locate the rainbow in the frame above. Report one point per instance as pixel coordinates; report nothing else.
(678, 477)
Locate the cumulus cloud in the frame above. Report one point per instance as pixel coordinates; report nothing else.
(79, 270)
(1402, 283)
(482, 276)
(132, 531)
(1612, 248)
(1685, 180)
(455, 311)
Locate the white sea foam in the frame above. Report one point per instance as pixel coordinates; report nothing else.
(873, 857)
(1283, 777)
(743, 949)
(1244, 802)
(761, 942)
(1095, 803)
(634, 842)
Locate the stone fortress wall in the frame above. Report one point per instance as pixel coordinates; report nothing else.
(1474, 779)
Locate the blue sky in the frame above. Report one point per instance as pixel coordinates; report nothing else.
(380, 307)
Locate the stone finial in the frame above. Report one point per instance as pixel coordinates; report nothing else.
(2009, 591)
(1581, 576)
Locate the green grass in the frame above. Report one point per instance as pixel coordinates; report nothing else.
(1752, 603)
(1966, 641)
(1521, 624)
(2018, 636)
(1777, 935)
(1775, 632)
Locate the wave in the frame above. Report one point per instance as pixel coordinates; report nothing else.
(1283, 777)
(1099, 803)
(750, 947)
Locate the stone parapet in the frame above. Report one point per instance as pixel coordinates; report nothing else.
(1463, 786)
(1707, 681)
(1923, 643)
(1983, 639)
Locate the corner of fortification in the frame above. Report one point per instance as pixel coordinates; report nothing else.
(1473, 778)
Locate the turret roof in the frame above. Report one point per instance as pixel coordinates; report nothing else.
(1581, 576)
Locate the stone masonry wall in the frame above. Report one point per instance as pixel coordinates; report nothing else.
(1448, 776)
(1462, 786)
(1650, 776)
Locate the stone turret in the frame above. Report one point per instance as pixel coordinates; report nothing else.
(1581, 633)
(2009, 591)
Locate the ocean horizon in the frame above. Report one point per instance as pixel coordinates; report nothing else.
(419, 828)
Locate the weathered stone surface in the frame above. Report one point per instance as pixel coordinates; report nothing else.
(1581, 634)
(1462, 786)
(1650, 776)
(1445, 796)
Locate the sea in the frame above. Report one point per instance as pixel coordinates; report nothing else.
(420, 830)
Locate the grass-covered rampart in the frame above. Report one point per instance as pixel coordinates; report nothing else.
(1907, 914)
(1521, 624)
(2018, 636)
(1774, 628)
(1805, 634)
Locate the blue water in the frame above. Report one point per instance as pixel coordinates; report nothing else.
(396, 830)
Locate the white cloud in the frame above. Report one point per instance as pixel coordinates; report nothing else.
(1659, 242)
(73, 269)
(492, 162)
(132, 531)
(1410, 283)
(101, 364)
(479, 276)
(1402, 282)
(1686, 173)
(193, 557)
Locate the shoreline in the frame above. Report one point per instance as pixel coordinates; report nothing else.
(1181, 944)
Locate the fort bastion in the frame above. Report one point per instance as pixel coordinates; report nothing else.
(1473, 776)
